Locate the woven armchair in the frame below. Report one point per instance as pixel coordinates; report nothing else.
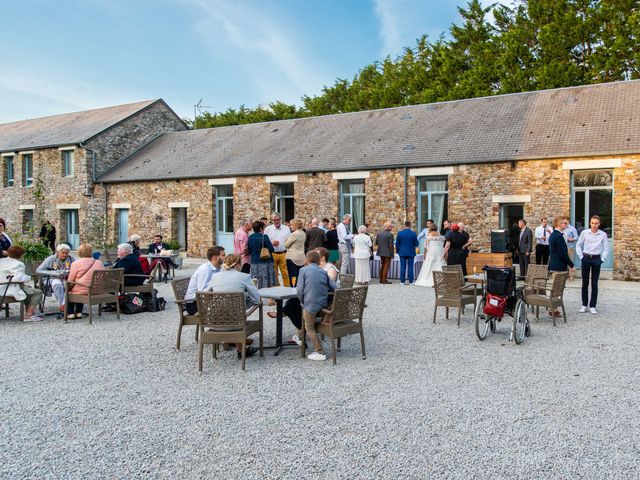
(344, 318)
(346, 281)
(146, 287)
(179, 291)
(224, 319)
(552, 296)
(449, 293)
(5, 300)
(467, 287)
(535, 281)
(105, 287)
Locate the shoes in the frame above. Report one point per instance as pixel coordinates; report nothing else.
(71, 315)
(33, 318)
(317, 356)
(249, 352)
(386, 283)
(61, 308)
(593, 311)
(402, 284)
(296, 339)
(583, 309)
(411, 284)
(272, 315)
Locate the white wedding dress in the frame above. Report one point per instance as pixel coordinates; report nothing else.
(434, 248)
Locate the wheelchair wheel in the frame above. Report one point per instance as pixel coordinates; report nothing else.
(520, 322)
(484, 323)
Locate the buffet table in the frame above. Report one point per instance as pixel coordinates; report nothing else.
(394, 268)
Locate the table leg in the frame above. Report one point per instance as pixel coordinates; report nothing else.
(278, 327)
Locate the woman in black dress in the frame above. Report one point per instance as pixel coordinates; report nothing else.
(5, 241)
(454, 254)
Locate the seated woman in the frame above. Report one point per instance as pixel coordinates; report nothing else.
(231, 279)
(326, 265)
(11, 266)
(5, 241)
(131, 265)
(82, 272)
(57, 266)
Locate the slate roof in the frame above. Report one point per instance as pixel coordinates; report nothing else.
(570, 122)
(65, 129)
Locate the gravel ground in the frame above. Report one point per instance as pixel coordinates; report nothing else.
(116, 400)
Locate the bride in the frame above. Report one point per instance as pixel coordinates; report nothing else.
(433, 258)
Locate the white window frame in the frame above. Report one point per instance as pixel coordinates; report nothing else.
(68, 169)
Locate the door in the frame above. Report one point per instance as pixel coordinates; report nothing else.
(123, 225)
(283, 201)
(73, 232)
(181, 227)
(224, 217)
(510, 213)
(593, 195)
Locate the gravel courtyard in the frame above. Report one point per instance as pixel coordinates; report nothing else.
(116, 400)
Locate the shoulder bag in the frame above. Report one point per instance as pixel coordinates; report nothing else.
(265, 254)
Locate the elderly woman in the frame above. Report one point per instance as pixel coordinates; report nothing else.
(261, 268)
(134, 241)
(57, 266)
(362, 245)
(81, 272)
(11, 266)
(131, 265)
(295, 249)
(5, 241)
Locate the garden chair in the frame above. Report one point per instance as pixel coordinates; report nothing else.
(536, 275)
(552, 297)
(224, 319)
(146, 287)
(5, 300)
(104, 288)
(449, 292)
(463, 284)
(344, 318)
(346, 281)
(179, 291)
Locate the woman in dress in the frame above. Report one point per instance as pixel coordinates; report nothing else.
(261, 268)
(5, 241)
(454, 253)
(362, 245)
(433, 257)
(295, 249)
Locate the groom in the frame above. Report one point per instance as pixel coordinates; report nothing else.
(406, 243)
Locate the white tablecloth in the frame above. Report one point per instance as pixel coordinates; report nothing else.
(394, 268)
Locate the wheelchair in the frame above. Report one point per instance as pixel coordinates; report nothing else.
(501, 297)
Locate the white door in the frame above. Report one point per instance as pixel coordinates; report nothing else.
(182, 227)
(224, 217)
(123, 225)
(73, 232)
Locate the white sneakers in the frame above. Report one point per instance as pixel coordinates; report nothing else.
(411, 284)
(583, 309)
(296, 339)
(34, 318)
(593, 311)
(317, 356)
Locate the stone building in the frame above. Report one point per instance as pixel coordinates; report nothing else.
(485, 161)
(50, 164)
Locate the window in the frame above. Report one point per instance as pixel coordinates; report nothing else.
(283, 202)
(27, 221)
(8, 171)
(352, 201)
(224, 208)
(67, 163)
(433, 200)
(27, 170)
(71, 227)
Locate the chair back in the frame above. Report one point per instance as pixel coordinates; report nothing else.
(349, 303)
(180, 288)
(536, 271)
(558, 282)
(106, 281)
(222, 309)
(455, 268)
(446, 284)
(346, 281)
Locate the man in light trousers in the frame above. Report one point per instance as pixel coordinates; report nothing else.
(345, 238)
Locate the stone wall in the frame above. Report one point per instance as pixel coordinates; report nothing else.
(626, 227)
(316, 196)
(115, 144)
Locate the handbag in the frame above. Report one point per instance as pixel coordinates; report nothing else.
(130, 304)
(264, 252)
(495, 305)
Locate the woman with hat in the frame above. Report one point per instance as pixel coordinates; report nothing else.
(454, 253)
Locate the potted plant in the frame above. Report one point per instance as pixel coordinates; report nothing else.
(34, 251)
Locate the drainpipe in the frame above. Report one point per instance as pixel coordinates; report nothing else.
(406, 193)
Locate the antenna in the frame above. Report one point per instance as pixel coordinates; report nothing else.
(197, 109)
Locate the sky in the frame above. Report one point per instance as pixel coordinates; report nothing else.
(63, 56)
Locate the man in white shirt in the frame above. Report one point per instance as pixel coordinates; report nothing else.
(344, 243)
(593, 250)
(571, 237)
(543, 232)
(202, 276)
(278, 234)
(422, 236)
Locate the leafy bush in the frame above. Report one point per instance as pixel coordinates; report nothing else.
(174, 244)
(34, 250)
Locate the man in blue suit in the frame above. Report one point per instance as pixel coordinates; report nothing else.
(406, 243)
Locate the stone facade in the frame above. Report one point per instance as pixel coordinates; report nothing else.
(117, 143)
(626, 244)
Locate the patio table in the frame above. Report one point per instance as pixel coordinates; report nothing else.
(279, 294)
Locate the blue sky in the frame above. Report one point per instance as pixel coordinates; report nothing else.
(62, 56)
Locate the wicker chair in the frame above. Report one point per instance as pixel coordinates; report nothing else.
(105, 287)
(344, 318)
(146, 287)
(6, 300)
(536, 275)
(449, 293)
(223, 319)
(179, 291)
(468, 287)
(346, 281)
(552, 297)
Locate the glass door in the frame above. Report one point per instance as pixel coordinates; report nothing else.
(181, 217)
(283, 201)
(73, 232)
(352, 201)
(224, 217)
(432, 201)
(123, 225)
(593, 195)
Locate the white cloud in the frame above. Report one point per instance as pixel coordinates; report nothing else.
(392, 42)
